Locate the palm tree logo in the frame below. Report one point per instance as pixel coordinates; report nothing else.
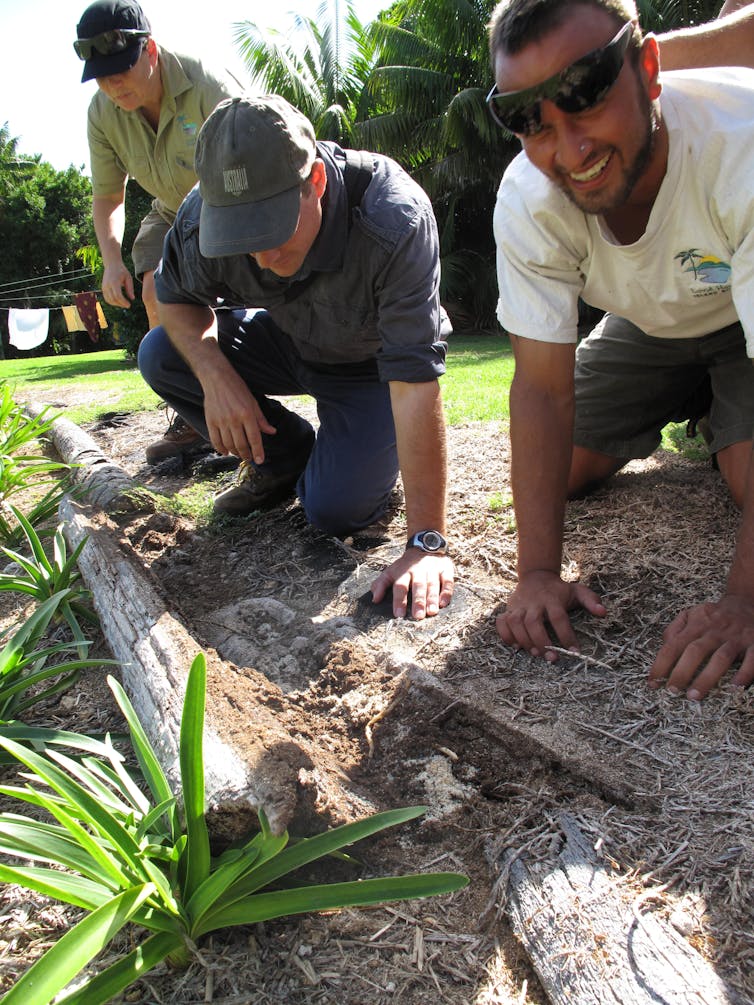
(708, 269)
(692, 256)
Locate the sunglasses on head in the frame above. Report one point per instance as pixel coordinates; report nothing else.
(578, 87)
(108, 42)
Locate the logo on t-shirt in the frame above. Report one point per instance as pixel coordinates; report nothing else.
(190, 129)
(707, 271)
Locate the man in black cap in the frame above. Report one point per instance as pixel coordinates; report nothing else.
(343, 259)
(143, 123)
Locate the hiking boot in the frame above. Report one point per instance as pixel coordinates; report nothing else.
(214, 464)
(254, 490)
(180, 440)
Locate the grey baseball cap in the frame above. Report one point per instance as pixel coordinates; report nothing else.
(251, 156)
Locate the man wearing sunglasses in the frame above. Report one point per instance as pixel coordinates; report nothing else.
(143, 123)
(634, 193)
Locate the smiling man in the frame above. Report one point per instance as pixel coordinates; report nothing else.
(341, 252)
(632, 192)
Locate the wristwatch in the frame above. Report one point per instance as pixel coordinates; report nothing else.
(430, 541)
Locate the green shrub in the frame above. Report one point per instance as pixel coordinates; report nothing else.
(131, 858)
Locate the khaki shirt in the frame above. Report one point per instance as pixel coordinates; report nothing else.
(122, 144)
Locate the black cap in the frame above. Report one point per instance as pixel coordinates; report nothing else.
(105, 15)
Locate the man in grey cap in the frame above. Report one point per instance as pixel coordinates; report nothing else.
(143, 123)
(344, 264)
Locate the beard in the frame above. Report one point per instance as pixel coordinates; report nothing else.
(600, 202)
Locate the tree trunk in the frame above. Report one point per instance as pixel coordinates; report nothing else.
(589, 938)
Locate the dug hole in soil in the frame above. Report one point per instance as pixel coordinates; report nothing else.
(499, 753)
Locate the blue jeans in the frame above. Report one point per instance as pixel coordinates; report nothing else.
(353, 463)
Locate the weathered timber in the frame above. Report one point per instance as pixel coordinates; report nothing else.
(251, 759)
(105, 484)
(592, 940)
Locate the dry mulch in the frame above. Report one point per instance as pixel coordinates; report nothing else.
(663, 785)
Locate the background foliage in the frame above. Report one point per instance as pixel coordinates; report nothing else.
(411, 85)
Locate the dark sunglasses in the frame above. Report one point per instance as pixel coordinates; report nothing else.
(578, 87)
(109, 42)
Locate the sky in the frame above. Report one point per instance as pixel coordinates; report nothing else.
(41, 95)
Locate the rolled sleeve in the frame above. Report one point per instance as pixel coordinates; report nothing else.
(538, 262)
(411, 322)
(181, 277)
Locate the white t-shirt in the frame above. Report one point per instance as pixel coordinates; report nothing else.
(689, 274)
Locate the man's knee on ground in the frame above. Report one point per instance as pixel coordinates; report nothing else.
(589, 469)
(734, 462)
(334, 513)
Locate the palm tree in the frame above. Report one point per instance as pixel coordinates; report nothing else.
(320, 67)
(428, 110)
(665, 15)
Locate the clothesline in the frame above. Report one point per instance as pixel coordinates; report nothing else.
(28, 326)
(41, 280)
(2, 308)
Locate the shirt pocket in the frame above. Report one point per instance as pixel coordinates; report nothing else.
(141, 169)
(342, 332)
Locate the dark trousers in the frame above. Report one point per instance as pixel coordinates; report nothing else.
(353, 464)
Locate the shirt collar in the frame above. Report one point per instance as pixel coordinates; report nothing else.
(174, 79)
(328, 251)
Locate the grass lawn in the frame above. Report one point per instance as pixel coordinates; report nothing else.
(475, 387)
(108, 377)
(480, 369)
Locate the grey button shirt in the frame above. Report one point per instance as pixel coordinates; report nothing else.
(375, 292)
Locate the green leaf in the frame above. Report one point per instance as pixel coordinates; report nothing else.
(196, 862)
(105, 986)
(310, 849)
(333, 896)
(150, 819)
(60, 964)
(41, 842)
(35, 544)
(92, 782)
(40, 737)
(222, 878)
(148, 762)
(83, 806)
(74, 890)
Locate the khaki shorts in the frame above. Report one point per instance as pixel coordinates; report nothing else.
(630, 385)
(146, 251)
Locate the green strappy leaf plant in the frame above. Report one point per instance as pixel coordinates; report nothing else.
(41, 577)
(27, 675)
(21, 469)
(133, 857)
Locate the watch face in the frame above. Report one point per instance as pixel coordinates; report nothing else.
(432, 541)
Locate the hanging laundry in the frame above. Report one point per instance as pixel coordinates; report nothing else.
(73, 320)
(27, 328)
(87, 305)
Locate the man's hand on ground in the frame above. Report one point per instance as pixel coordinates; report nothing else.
(702, 644)
(428, 577)
(540, 598)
